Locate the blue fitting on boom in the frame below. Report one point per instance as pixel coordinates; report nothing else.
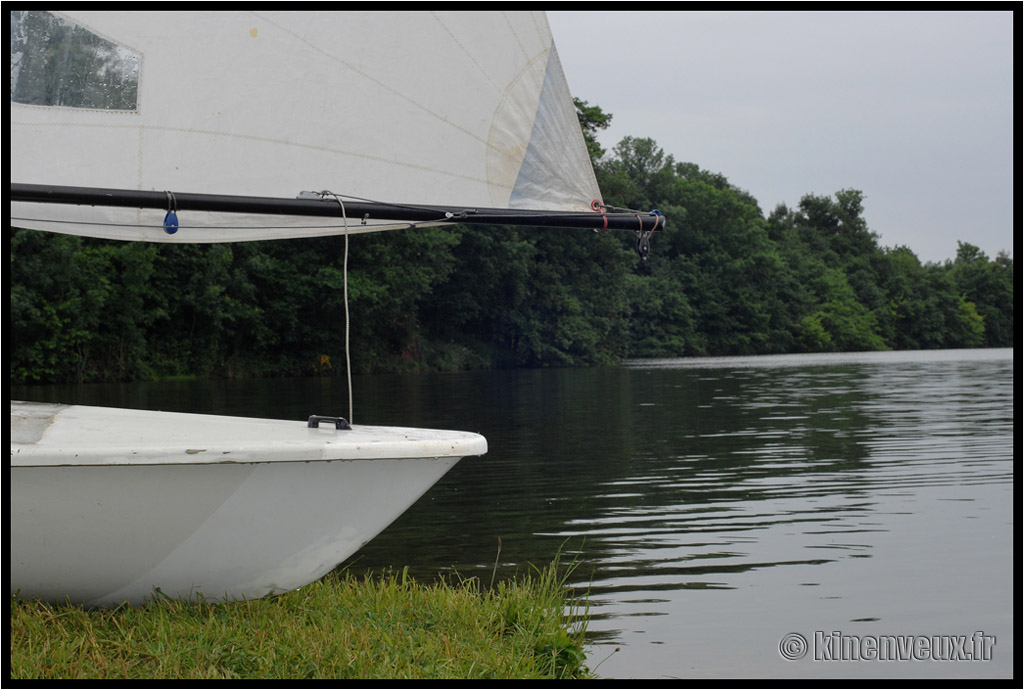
(171, 219)
(171, 223)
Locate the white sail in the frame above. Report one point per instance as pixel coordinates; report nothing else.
(463, 108)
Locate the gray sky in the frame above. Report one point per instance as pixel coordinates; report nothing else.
(915, 109)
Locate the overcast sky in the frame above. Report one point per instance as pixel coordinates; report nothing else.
(915, 109)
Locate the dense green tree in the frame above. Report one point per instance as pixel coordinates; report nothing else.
(988, 285)
(79, 310)
(838, 321)
(927, 309)
(533, 297)
(393, 276)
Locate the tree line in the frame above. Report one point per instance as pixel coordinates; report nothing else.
(724, 278)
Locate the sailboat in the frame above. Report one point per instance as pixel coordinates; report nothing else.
(204, 127)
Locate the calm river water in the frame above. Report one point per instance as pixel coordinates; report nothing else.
(821, 516)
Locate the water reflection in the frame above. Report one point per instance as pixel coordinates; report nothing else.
(798, 464)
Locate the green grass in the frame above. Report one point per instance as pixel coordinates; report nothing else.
(384, 626)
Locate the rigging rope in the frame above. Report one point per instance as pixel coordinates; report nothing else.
(326, 226)
(348, 357)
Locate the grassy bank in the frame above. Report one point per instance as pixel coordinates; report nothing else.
(340, 627)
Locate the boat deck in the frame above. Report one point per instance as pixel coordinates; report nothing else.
(46, 434)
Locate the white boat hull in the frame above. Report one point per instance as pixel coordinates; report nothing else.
(108, 506)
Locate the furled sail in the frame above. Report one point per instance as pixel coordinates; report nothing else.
(466, 108)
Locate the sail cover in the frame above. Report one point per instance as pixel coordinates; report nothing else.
(464, 108)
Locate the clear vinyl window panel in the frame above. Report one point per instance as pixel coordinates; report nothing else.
(56, 62)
